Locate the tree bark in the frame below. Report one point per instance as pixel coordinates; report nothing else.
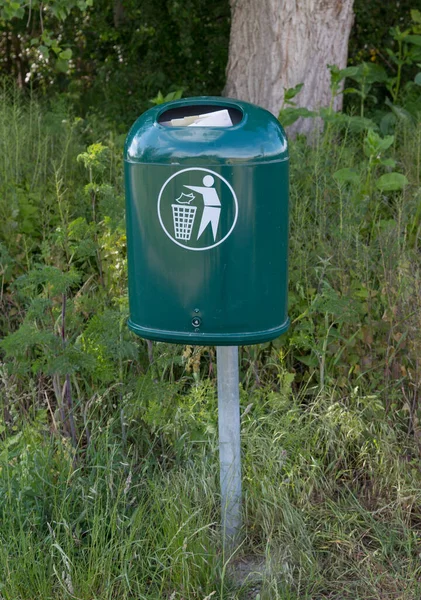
(277, 44)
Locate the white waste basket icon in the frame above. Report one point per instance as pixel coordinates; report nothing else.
(183, 216)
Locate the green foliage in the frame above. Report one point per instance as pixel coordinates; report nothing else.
(94, 159)
(391, 182)
(39, 25)
(365, 74)
(371, 29)
(160, 99)
(111, 58)
(392, 83)
(106, 341)
(403, 57)
(288, 113)
(374, 148)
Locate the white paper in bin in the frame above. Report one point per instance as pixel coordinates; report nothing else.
(218, 118)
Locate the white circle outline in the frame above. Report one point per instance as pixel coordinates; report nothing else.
(233, 195)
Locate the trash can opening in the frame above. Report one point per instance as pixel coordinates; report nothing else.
(201, 115)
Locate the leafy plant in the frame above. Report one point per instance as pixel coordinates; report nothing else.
(45, 45)
(160, 99)
(374, 148)
(288, 114)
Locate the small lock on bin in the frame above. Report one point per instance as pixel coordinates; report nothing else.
(207, 223)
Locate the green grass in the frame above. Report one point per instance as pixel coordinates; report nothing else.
(330, 506)
(125, 506)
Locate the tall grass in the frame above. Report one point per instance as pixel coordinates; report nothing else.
(129, 509)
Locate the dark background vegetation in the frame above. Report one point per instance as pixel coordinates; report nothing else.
(124, 53)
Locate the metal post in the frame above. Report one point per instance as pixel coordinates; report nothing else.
(229, 443)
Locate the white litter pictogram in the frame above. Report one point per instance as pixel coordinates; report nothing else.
(212, 205)
(202, 216)
(183, 216)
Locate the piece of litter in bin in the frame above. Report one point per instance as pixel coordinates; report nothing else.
(185, 121)
(219, 118)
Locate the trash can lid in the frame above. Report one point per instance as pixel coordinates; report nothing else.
(157, 137)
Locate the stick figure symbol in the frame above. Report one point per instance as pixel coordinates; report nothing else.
(212, 205)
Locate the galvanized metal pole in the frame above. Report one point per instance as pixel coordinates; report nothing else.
(229, 443)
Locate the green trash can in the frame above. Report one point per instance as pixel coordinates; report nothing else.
(207, 223)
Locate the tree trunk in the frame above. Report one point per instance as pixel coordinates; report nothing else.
(277, 44)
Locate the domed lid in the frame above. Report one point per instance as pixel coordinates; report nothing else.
(165, 135)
